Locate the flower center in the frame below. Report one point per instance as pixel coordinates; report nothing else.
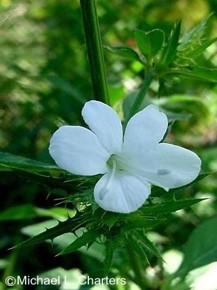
(115, 160)
(113, 165)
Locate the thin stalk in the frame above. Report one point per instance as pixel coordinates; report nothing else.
(140, 97)
(94, 50)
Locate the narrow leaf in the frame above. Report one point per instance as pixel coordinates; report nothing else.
(49, 234)
(86, 238)
(142, 238)
(196, 72)
(198, 50)
(137, 248)
(170, 206)
(193, 39)
(170, 50)
(110, 248)
(12, 162)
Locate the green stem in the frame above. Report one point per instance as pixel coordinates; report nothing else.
(139, 99)
(94, 50)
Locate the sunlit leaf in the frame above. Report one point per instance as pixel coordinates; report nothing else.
(149, 43)
(194, 42)
(201, 247)
(198, 50)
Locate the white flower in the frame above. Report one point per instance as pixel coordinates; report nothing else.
(129, 163)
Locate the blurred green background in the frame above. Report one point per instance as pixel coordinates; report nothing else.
(44, 82)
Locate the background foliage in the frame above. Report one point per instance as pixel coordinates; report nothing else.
(44, 82)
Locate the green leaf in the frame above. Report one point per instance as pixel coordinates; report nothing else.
(86, 238)
(201, 247)
(28, 211)
(110, 219)
(194, 42)
(142, 238)
(138, 221)
(110, 247)
(149, 43)
(124, 52)
(137, 248)
(70, 225)
(195, 33)
(198, 50)
(169, 206)
(196, 72)
(10, 162)
(140, 242)
(170, 50)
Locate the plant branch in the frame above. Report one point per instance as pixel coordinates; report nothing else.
(94, 50)
(140, 97)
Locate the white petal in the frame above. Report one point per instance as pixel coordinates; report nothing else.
(168, 166)
(123, 194)
(77, 150)
(145, 129)
(105, 123)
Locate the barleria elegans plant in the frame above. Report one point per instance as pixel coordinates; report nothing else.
(121, 179)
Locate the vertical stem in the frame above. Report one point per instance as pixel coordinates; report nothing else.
(94, 50)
